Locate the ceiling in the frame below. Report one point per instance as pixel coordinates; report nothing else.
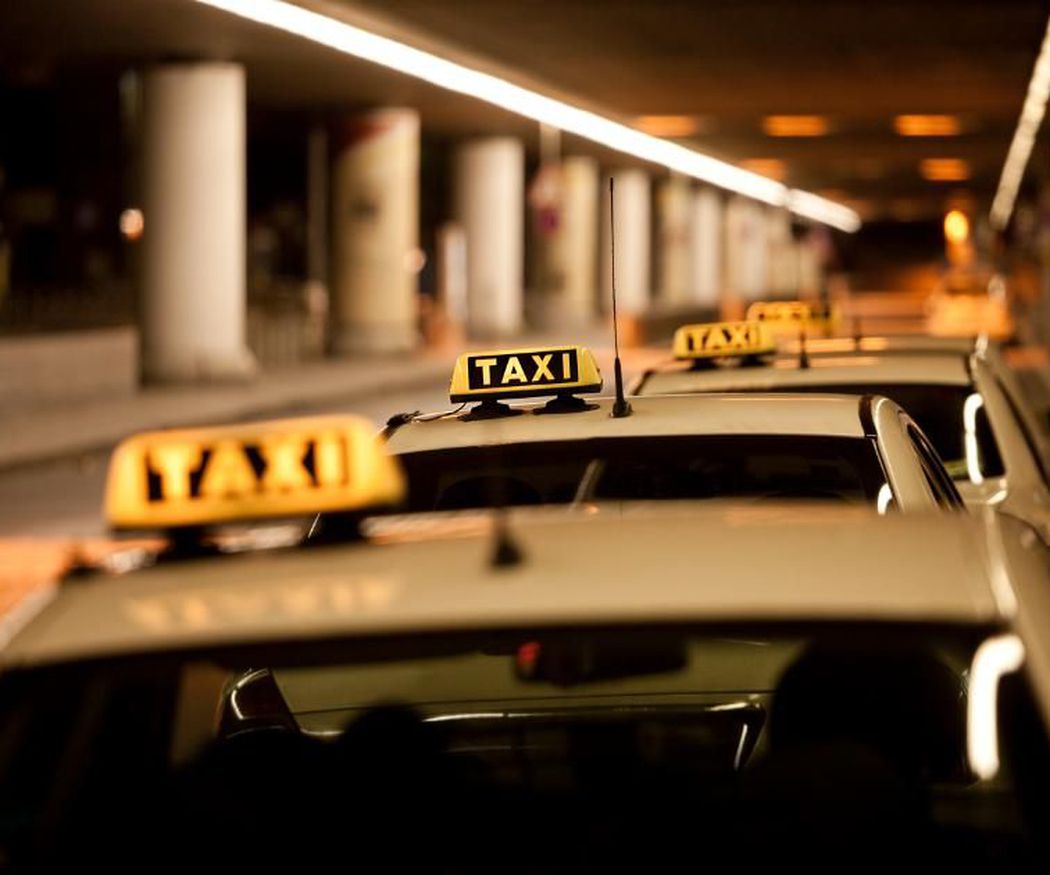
(729, 63)
(724, 64)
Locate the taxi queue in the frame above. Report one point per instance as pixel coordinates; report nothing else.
(545, 631)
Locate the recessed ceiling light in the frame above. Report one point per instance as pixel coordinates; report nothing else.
(795, 125)
(945, 169)
(927, 125)
(956, 227)
(673, 126)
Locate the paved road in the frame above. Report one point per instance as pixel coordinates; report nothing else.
(65, 497)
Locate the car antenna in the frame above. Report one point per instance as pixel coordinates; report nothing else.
(505, 551)
(803, 353)
(858, 332)
(621, 406)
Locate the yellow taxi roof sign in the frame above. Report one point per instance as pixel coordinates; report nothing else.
(278, 469)
(783, 317)
(715, 340)
(524, 373)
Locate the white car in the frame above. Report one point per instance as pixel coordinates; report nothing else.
(802, 682)
(967, 402)
(573, 449)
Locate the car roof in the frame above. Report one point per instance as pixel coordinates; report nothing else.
(784, 373)
(885, 344)
(814, 415)
(719, 563)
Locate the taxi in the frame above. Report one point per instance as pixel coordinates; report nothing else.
(500, 446)
(959, 392)
(791, 318)
(400, 700)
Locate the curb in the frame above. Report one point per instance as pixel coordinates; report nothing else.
(64, 446)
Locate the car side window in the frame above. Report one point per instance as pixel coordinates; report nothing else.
(937, 478)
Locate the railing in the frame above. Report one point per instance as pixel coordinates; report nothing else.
(47, 310)
(280, 327)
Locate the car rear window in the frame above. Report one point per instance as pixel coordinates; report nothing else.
(650, 468)
(937, 408)
(440, 752)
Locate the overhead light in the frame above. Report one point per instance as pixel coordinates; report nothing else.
(819, 209)
(927, 125)
(673, 126)
(944, 169)
(359, 43)
(1024, 138)
(773, 168)
(795, 125)
(957, 232)
(132, 224)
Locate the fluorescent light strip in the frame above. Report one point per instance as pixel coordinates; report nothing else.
(350, 40)
(1024, 138)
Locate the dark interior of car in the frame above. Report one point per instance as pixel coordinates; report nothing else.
(862, 766)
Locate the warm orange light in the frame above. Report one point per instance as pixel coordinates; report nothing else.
(774, 168)
(667, 125)
(795, 125)
(945, 169)
(132, 224)
(956, 227)
(927, 125)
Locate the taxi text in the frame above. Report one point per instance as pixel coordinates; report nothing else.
(273, 465)
(543, 367)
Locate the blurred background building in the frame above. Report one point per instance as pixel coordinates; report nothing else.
(187, 194)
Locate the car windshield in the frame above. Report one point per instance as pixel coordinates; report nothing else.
(440, 752)
(936, 407)
(650, 468)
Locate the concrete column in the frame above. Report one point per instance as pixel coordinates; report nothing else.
(315, 290)
(375, 232)
(317, 185)
(674, 236)
(746, 252)
(193, 196)
(707, 248)
(807, 254)
(444, 322)
(782, 260)
(490, 206)
(568, 254)
(632, 243)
